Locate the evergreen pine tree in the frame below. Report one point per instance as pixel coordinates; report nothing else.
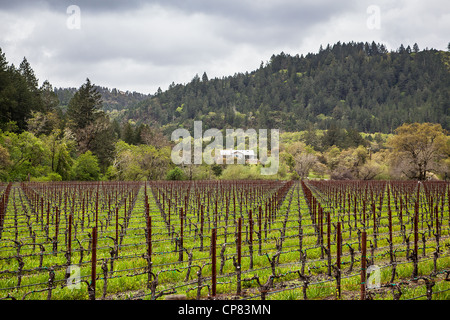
(49, 98)
(91, 126)
(28, 74)
(85, 107)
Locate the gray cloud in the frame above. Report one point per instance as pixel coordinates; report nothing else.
(61, 5)
(141, 45)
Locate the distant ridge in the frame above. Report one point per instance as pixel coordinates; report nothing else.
(352, 85)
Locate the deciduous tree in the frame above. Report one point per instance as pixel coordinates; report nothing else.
(86, 167)
(90, 125)
(417, 149)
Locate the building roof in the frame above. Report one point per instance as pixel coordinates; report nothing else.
(228, 152)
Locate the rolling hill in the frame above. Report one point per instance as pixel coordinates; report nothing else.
(361, 86)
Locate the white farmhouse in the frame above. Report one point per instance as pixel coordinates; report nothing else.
(248, 155)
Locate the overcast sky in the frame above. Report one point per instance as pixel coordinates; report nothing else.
(140, 45)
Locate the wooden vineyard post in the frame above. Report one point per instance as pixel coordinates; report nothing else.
(180, 240)
(117, 224)
(260, 230)
(201, 226)
(93, 264)
(42, 211)
(270, 212)
(390, 223)
(168, 215)
(448, 202)
(314, 211)
(2, 214)
(234, 211)
(149, 236)
(338, 258)
(363, 265)
(213, 261)
(96, 209)
(125, 211)
(400, 211)
(239, 241)
(415, 256)
(265, 221)
(238, 249)
(437, 222)
(320, 221)
(329, 242)
(82, 214)
(109, 204)
(391, 243)
(215, 216)
(55, 240)
(389, 214)
(374, 225)
(416, 224)
(69, 240)
(250, 222)
(227, 201)
(364, 213)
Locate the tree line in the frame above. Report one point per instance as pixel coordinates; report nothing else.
(362, 86)
(43, 138)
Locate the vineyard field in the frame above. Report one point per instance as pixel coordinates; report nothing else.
(239, 239)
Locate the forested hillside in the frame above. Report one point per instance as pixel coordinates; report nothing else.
(351, 111)
(352, 85)
(114, 101)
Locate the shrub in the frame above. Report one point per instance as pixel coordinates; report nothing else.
(86, 167)
(176, 174)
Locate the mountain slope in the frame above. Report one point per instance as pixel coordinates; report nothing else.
(114, 100)
(353, 85)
